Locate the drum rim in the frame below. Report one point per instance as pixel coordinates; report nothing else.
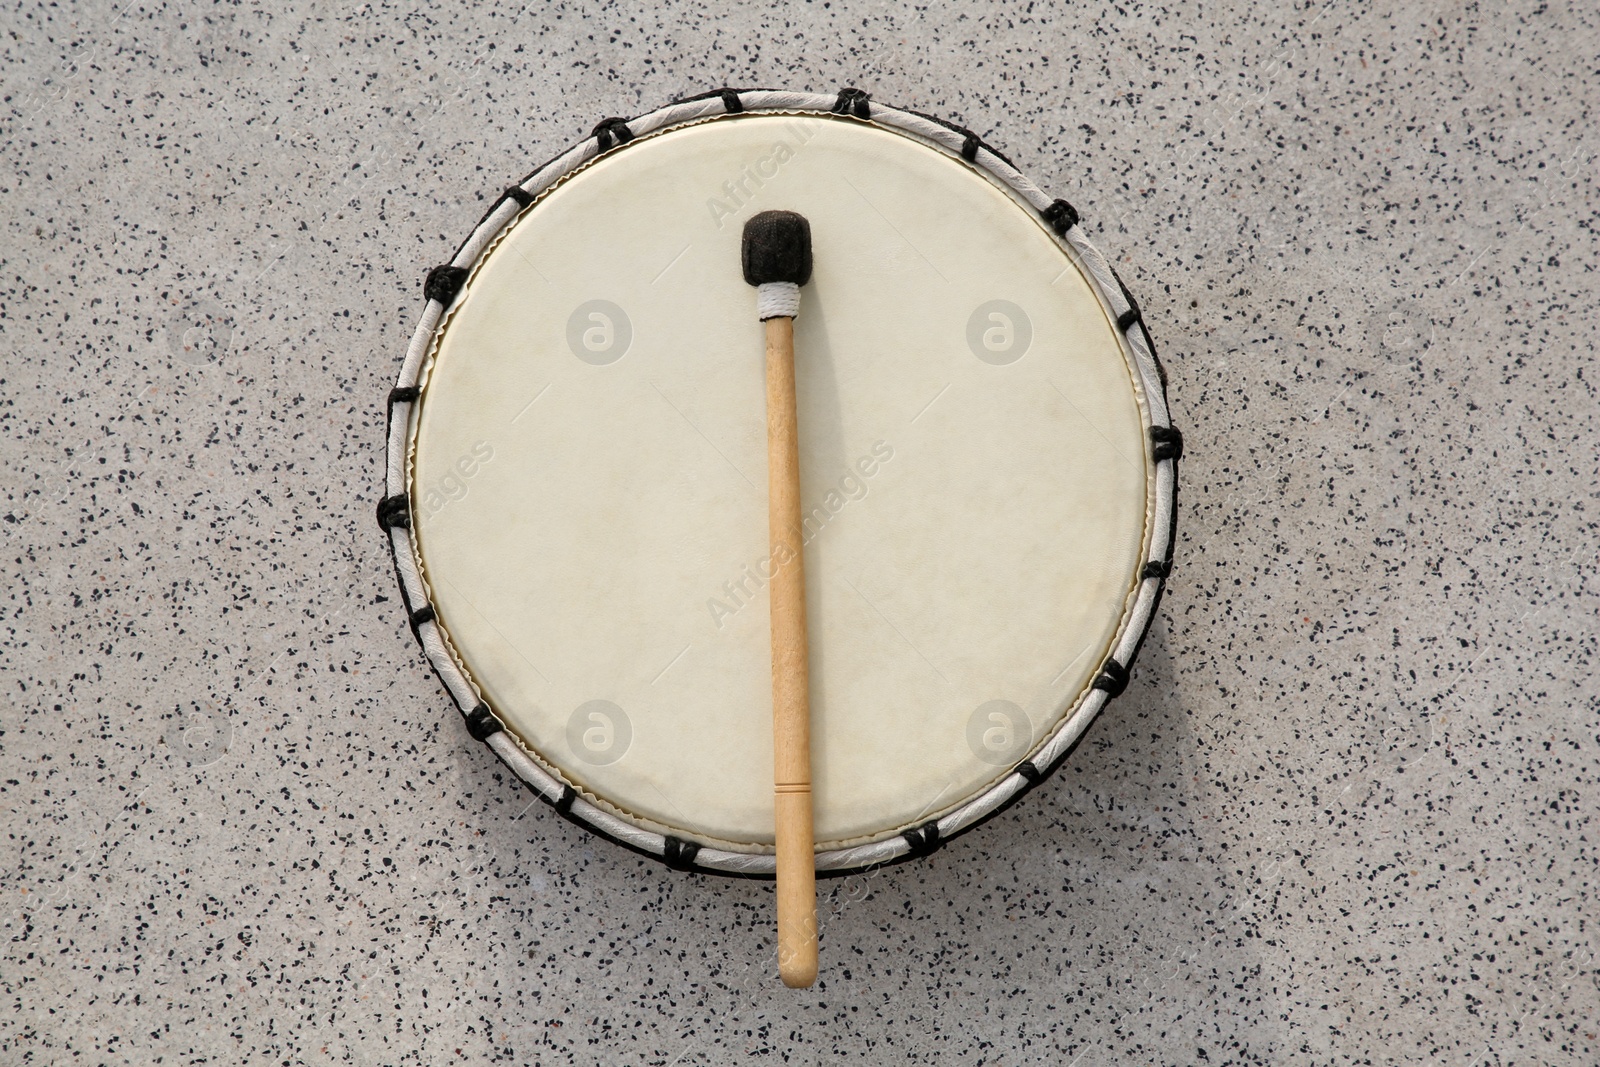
(443, 285)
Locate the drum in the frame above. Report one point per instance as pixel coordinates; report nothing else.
(577, 502)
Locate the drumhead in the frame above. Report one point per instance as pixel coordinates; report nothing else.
(578, 485)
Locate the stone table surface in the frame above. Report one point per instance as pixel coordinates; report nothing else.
(1345, 813)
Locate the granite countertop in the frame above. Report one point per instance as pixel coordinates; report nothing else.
(1342, 815)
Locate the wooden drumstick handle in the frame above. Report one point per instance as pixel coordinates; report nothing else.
(776, 255)
(791, 701)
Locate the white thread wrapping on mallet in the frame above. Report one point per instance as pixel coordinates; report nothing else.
(776, 300)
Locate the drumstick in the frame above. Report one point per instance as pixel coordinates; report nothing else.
(777, 259)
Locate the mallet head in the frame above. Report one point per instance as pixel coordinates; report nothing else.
(777, 248)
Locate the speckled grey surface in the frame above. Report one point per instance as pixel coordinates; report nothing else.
(1344, 814)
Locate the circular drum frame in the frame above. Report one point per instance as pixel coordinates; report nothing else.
(445, 282)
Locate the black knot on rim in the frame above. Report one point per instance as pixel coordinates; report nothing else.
(518, 194)
(731, 102)
(853, 102)
(1029, 772)
(1156, 569)
(1165, 443)
(402, 394)
(482, 724)
(564, 801)
(970, 143)
(611, 132)
(679, 853)
(443, 283)
(418, 617)
(1113, 678)
(924, 840)
(1061, 216)
(395, 511)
